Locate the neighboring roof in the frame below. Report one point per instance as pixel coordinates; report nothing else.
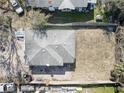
(56, 3)
(92, 1)
(66, 4)
(80, 3)
(43, 3)
(55, 49)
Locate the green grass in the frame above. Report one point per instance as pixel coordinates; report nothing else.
(109, 90)
(103, 90)
(99, 89)
(121, 90)
(67, 17)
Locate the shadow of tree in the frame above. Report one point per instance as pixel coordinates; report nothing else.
(9, 58)
(40, 33)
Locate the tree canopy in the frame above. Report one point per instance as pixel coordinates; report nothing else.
(115, 9)
(5, 6)
(39, 20)
(118, 72)
(8, 51)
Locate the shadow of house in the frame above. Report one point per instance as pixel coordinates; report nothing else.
(52, 70)
(51, 51)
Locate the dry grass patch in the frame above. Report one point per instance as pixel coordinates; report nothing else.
(95, 55)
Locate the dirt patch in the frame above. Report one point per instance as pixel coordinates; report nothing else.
(95, 55)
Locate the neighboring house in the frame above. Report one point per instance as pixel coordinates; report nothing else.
(50, 48)
(63, 5)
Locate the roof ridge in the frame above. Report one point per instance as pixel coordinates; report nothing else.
(54, 54)
(68, 51)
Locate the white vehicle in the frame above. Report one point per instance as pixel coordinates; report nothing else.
(16, 6)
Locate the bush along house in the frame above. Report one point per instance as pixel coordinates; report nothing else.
(62, 5)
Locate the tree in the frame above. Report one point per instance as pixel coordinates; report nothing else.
(4, 41)
(39, 20)
(115, 9)
(4, 5)
(8, 51)
(118, 73)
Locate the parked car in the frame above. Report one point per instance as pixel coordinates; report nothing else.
(16, 6)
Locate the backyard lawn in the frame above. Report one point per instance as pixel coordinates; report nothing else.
(98, 89)
(103, 90)
(121, 90)
(68, 17)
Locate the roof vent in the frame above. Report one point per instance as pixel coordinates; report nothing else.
(57, 46)
(47, 65)
(56, 41)
(43, 50)
(64, 44)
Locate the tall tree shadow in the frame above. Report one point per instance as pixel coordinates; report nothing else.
(40, 33)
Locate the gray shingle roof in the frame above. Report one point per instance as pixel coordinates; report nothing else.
(80, 3)
(56, 49)
(55, 3)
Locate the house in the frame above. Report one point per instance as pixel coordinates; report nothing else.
(50, 48)
(62, 5)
